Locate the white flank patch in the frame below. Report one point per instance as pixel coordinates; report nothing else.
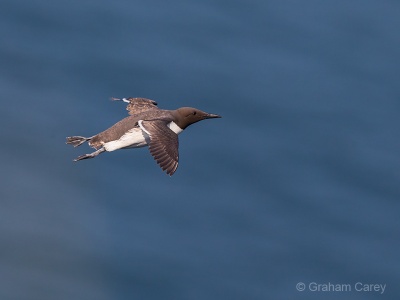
(175, 128)
(134, 138)
(126, 100)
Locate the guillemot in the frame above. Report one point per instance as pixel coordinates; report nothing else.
(149, 126)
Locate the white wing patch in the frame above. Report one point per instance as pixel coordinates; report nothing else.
(142, 127)
(172, 125)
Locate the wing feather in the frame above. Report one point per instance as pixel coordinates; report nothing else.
(138, 105)
(163, 145)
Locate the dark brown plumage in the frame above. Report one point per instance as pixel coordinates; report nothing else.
(147, 125)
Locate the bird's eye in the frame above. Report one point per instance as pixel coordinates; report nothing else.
(194, 113)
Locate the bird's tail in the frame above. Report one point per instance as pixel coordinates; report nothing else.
(77, 140)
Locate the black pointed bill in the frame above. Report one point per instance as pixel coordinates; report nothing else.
(212, 116)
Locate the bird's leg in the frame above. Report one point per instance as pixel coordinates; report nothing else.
(90, 155)
(77, 140)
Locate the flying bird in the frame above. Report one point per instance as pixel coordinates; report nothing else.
(149, 126)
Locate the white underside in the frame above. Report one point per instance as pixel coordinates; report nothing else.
(136, 138)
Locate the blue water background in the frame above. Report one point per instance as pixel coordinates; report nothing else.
(298, 182)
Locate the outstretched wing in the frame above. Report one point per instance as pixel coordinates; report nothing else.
(163, 144)
(138, 105)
